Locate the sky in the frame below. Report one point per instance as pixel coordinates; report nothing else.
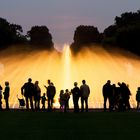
(63, 16)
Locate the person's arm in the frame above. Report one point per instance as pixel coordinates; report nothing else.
(45, 86)
(88, 90)
(22, 88)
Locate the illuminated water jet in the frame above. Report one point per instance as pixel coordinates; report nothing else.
(95, 65)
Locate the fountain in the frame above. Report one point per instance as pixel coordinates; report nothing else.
(95, 65)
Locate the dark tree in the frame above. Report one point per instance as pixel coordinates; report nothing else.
(125, 32)
(5, 33)
(85, 35)
(128, 18)
(109, 35)
(10, 33)
(40, 36)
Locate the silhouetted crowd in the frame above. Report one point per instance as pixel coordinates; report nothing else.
(117, 96)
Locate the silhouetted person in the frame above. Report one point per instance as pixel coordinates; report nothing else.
(138, 97)
(37, 92)
(121, 97)
(51, 91)
(66, 100)
(0, 97)
(125, 95)
(76, 94)
(62, 100)
(28, 91)
(116, 97)
(6, 94)
(108, 94)
(43, 100)
(49, 82)
(85, 91)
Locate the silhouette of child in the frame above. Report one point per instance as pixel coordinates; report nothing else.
(62, 100)
(43, 99)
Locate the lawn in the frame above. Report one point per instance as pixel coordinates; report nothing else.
(94, 125)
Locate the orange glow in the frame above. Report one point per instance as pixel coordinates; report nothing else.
(96, 66)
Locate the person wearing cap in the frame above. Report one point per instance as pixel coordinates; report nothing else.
(76, 94)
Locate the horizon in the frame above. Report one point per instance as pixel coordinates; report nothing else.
(62, 17)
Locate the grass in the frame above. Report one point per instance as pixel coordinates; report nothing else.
(16, 125)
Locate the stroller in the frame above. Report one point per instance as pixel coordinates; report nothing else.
(21, 102)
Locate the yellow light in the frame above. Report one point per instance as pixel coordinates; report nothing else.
(95, 65)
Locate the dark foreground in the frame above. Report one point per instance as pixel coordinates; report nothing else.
(94, 125)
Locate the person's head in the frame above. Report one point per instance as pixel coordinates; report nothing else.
(29, 80)
(139, 88)
(61, 91)
(114, 85)
(75, 84)
(43, 94)
(49, 81)
(67, 90)
(51, 84)
(36, 82)
(6, 83)
(83, 81)
(119, 84)
(108, 81)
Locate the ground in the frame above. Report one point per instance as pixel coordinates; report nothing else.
(94, 125)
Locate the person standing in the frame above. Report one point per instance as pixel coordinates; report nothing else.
(7, 94)
(28, 91)
(85, 91)
(51, 91)
(37, 92)
(108, 94)
(43, 100)
(138, 97)
(62, 100)
(0, 97)
(66, 100)
(76, 94)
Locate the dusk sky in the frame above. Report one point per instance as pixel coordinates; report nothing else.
(63, 16)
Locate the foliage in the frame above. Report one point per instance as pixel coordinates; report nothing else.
(85, 35)
(10, 33)
(125, 32)
(40, 36)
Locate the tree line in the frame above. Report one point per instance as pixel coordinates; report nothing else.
(13, 34)
(124, 33)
